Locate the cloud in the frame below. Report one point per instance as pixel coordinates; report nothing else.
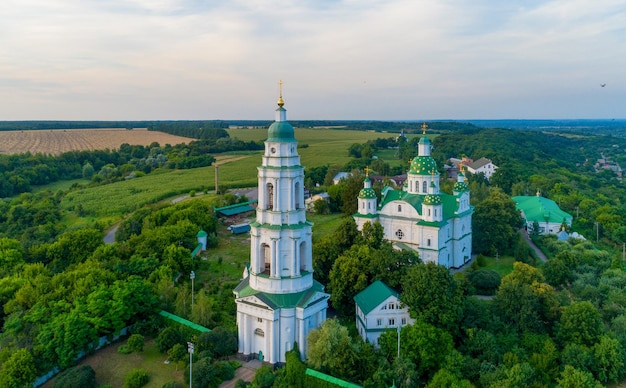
(340, 59)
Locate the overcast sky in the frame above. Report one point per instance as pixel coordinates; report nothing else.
(354, 59)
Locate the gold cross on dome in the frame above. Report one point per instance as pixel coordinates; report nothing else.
(424, 128)
(280, 93)
(367, 171)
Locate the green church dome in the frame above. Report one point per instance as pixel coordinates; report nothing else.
(461, 186)
(280, 131)
(423, 165)
(367, 193)
(432, 199)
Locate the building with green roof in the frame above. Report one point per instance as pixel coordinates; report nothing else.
(378, 308)
(543, 211)
(419, 216)
(278, 301)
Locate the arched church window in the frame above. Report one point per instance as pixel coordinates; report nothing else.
(303, 258)
(267, 259)
(399, 234)
(424, 187)
(399, 208)
(435, 212)
(417, 186)
(269, 196)
(297, 194)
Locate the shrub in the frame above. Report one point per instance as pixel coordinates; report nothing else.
(135, 343)
(486, 282)
(136, 378)
(124, 349)
(82, 376)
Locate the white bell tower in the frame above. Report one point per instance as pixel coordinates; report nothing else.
(279, 302)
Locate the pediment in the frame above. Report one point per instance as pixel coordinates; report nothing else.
(253, 300)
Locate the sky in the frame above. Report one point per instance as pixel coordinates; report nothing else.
(339, 60)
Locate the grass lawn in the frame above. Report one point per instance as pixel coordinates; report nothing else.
(502, 265)
(112, 367)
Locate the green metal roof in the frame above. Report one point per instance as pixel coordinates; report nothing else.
(276, 301)
(202, 233)
(432, 199)
(423, 165)
(280, 131)
(237, 208)
(184, 322)
(415, 200)
(330, 379)
(367, 193)
(375, 294)
(541, 209)
(461, 186)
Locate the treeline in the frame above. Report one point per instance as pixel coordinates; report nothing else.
(20, 172)
(192, 129)
(363, 125)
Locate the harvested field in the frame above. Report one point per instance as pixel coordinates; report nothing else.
(54, 142)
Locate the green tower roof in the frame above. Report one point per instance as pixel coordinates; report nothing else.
(423, 165)
(367, 193)
(280, 131)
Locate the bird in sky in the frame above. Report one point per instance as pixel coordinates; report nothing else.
(602, 85)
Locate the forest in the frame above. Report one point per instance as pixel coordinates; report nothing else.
(558, 323)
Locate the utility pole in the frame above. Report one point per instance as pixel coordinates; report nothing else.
(190, 350)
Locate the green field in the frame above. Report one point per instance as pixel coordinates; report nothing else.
(236, 169)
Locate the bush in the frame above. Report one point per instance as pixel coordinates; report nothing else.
(135, 343)
(167, 338)
(136, 378)
(481, 261)
(82, 376)
(124, 349)
(486, 282)
(172, 384)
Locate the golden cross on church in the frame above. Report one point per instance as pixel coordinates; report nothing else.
(367, 171)
(280, 93)
(424, 128)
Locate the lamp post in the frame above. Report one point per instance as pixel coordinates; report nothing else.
(190, 350)
(192, 276)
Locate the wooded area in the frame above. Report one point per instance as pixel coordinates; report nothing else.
(548, 324)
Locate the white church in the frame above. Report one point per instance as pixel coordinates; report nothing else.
(278, 301)
(435, 224)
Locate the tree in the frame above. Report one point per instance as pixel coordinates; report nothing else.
(610, 360)
(330, 350)
(177, 353)
(19, 370)
(425, 345)
(525, 301)
(575, 378)
(137, 378)
(580, 323)
(348, 277)
(495, 223)
(433, 296)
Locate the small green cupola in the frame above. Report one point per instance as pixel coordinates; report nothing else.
(281, 130)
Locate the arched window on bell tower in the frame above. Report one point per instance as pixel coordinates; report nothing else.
(424, 187)
(266, 259)
(303, 257)
(297, 194)
(269, 196)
